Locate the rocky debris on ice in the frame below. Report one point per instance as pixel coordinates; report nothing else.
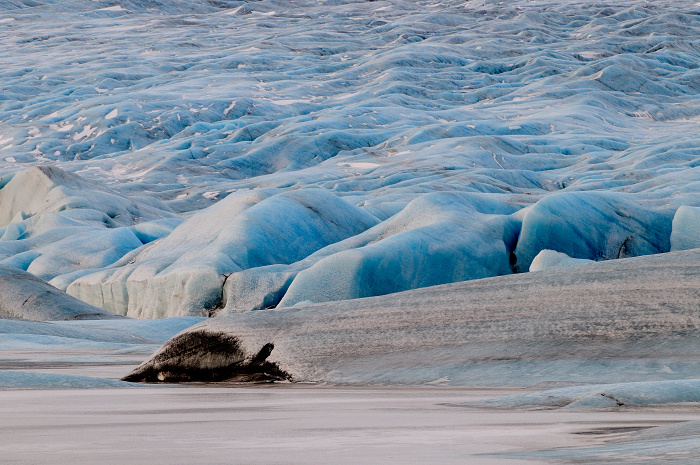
(622, 320)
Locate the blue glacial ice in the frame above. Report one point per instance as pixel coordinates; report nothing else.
(185, 272)
(205, 158)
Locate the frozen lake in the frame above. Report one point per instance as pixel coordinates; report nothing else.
(302, 424)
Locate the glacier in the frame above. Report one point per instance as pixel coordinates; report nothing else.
(24, 296)
(443, 193)
(587, 324)
(463, 138)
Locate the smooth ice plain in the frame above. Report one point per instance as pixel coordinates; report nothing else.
(417, 207)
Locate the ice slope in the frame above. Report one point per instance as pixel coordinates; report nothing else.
(602, 396)
(577, 120)
(686, 229)
(25, 296)
(624, 320)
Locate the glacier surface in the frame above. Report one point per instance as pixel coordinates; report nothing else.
(584, 324)
(207, 158)
(331, 162)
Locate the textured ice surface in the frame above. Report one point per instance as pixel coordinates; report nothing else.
(25, 296)
(624, 320)
(436, 239)
(604, 396)
(451, 122)
(183, 274)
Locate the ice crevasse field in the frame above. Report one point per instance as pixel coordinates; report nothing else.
(297, 177)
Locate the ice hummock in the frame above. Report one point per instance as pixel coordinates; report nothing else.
(547, 259)
(184, 273)
(22, 295)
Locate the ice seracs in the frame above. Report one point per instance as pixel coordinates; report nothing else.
(438, 238)
(594, 226)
